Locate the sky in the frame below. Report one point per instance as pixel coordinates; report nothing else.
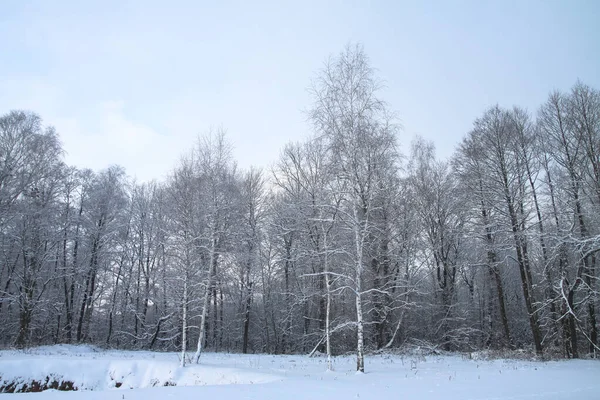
(135, 83)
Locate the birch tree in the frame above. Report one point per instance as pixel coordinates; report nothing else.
(219, 191)
(360, 133)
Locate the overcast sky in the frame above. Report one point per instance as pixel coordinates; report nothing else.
(135, 82)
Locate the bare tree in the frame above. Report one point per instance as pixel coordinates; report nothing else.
(438, 204)
(252, 198)
(360, 133)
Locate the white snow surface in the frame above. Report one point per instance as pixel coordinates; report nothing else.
(221, 376)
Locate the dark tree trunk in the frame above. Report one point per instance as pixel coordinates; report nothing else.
(247, 318)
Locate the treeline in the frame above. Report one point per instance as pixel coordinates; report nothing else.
(344, 245)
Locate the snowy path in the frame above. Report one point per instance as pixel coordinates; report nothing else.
(228, 376)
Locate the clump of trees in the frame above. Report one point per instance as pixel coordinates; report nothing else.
(344, 245)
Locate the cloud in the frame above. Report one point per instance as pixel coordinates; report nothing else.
(109, 137)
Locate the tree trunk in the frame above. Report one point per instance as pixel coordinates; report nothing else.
(206, 303)
(523, 262)
(248, 302)
(492, 260)
(359, 225)
(184, 321)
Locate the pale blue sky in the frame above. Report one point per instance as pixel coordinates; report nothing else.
(134, 82)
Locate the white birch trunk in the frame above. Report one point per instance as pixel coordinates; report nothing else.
(202, 325)
(360, 356)
(184, 326)
(327, 311)
(391, 341)
(358, 237)
(205, 303)
(327, 321)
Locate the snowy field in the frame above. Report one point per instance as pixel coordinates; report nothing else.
(143, 375)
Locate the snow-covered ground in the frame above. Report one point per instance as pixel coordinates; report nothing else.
(142, 375)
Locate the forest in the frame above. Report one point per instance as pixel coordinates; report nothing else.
(347, 244)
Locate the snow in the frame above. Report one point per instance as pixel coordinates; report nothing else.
(234, 376)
